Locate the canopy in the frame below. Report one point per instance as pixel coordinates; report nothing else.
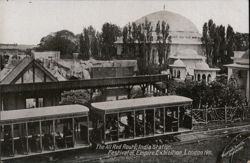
(139, 103)
(43, 113)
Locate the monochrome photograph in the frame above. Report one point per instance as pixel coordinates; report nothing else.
(108, 81)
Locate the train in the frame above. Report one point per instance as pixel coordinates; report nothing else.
(30, 132)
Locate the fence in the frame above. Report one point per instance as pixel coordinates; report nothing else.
(223, 114)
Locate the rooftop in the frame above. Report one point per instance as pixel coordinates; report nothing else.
(16, 46)
(36, 113)
(125, 105)
(187, 54)
(178, 63)
(177, 23)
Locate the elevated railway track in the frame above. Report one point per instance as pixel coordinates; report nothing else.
(83, 84)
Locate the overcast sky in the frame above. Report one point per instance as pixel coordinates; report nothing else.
(27, 21)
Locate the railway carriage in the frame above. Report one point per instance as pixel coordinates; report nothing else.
(125, 120)
(28, 132)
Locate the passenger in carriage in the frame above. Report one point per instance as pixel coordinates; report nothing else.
(139, 126)
(59, 140)
(158, 126)
(48, 141)
(7, 144)
(111, 129)
(68, 136)
(35, 143)
(149, 124)
(129, 129)
(20, 145)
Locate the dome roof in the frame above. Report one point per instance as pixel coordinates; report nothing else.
(178, 63)
(187, 54)
(177, 23)
(202, 65)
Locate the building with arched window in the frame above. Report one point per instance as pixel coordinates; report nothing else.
(179, 70)
(202, 72)
(238, 71)
(189, 63)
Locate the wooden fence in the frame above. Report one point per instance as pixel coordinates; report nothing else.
(222, 114)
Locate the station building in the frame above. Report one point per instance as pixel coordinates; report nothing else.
(238, 72)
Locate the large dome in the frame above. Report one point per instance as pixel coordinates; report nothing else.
(181, 29)
(177, 23)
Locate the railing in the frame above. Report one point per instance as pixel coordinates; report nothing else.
(83, 84)
(223, 114)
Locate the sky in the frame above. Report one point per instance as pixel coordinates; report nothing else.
(27, 21)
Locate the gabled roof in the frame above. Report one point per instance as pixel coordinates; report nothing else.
(21, 68)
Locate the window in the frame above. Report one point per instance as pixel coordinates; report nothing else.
(178, 74)
(30, 103)
(40, 102)
(34, 102)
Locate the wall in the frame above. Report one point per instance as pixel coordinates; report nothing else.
(104, 72)
(205, 72)
(13, 101)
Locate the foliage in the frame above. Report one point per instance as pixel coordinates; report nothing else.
(88, 43)
(220, 43)
(75, 97)
(109, 34)
(137, 43)
(63, 41)
(163, 41)
(241, 41)
(214, 94)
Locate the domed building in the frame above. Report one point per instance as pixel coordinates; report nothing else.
(188, 63)
(184, 34)
(178, 69)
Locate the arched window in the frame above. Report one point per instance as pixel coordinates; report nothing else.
(178, 74)
(199, 77)
(209, 78)
(204, 77)
(174, 73)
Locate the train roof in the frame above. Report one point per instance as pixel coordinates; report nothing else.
(43, 113)
(131, 104)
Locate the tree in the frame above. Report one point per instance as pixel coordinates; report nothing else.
(214, 94)
(207, 39)
(230, 43)
(88, 43)
(218, 44)
(241, 41)
(63, 41)
(109, 34)
(75, 97)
